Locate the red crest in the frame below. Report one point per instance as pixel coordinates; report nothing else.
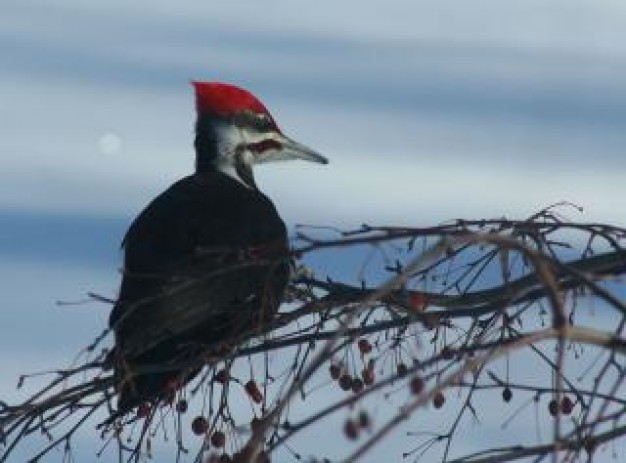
(225, 99)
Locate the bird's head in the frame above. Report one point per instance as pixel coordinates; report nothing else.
(234, 131)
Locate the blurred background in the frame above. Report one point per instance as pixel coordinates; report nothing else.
(428, 111)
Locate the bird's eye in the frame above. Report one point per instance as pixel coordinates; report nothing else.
(260, 122)
(263, 122)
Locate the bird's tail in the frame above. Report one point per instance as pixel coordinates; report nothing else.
(135, 388)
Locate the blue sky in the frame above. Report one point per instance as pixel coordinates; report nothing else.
(428, 111)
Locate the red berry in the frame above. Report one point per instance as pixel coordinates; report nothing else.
(199, 425)
(590, 445)
(173, 385)
(223, 350)
(357, 385)
(364, 346)
(218, 439)
(439, 399)
(222, 376)
(402, 369)
(417, 385)
(418, 301)
(182, 406)
(223, 458)
(447, 353)
(566, 405)
(431, 320)
(507, 394)
(143, 410)
(368, 376)
(345, 382)
(335, 371)
(253, 391)
(553, 407)
(255, 424)
(351, 430)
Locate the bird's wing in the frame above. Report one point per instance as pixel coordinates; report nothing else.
(181, 268)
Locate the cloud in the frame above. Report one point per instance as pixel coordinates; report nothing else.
(382, 99)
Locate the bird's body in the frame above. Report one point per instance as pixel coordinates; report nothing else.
(206, 262)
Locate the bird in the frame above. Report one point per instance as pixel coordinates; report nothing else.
(206, 262)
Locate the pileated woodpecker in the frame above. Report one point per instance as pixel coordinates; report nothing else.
(207, 260)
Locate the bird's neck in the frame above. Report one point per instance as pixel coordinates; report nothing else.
(214, 154)
(206, 144)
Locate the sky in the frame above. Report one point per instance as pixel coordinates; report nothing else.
(428, 111)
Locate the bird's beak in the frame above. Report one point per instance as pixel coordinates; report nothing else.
(286, 149)
(294, 150)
